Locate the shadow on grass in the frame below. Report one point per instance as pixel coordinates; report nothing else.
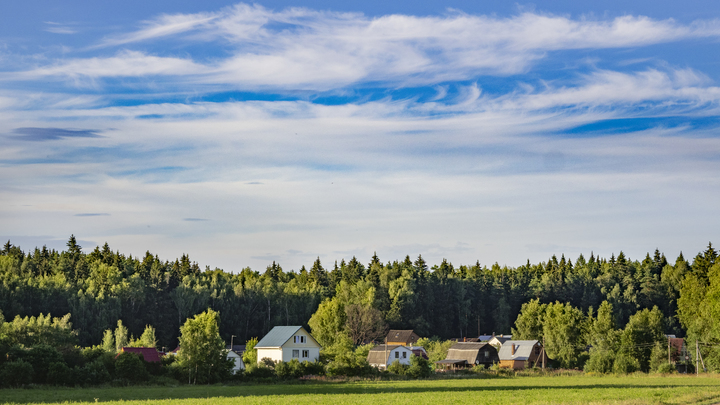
(61, 394)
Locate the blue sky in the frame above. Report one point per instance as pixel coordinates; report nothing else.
(243, 133)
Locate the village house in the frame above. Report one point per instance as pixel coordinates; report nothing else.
(468, 354)
(284, 343)
(235, 352)
(498, 341)
(401, 337)
(518, 354)
(382, 356)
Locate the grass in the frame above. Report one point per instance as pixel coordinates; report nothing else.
(633, 389)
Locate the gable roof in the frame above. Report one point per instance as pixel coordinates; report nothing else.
(378, 354)
(523, 349)
(279, 335)
(150, 354)
(468, 351)
(397, 335)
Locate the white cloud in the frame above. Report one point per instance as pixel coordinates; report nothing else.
(306, 49)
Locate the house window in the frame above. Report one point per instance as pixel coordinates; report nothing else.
(306, 354)
(397, 355)
(537, 351)
(299, 339)
(296, 354)
(404, 355)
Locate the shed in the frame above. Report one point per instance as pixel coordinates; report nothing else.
(469, 354)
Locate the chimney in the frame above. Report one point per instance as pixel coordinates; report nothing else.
(512, 349)
(464, 339)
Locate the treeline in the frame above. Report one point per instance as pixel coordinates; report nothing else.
(101, 287)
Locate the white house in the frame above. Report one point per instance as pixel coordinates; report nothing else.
(284, 343)
(382, 356)
(237, 361)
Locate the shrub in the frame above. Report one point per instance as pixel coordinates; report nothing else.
(259, 372)
(397, 368)
(419, 367)
(92, 373)
(131, 367)
(624, 364)
(666, 368)
(600, 361)
(59, 374)
(267, 362)
(16, 373)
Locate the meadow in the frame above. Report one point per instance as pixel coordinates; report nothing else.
(580, 389)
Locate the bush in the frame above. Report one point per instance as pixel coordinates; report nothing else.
(59, 374)
(93, 373)
(259, 372)
(419, 367)
(397, 368)
(666, 368)
(40, 357)
(625, 364)
(600, 361)
(16, 373)
(131, 367)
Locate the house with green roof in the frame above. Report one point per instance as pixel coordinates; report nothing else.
(284, 343)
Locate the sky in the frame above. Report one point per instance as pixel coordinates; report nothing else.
(247, 133)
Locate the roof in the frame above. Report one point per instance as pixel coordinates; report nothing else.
(279, 335)
(397, 335)
(523, 349)
(467, 351)
(378, 354)
(502, 339)
(485, 338)
(446, 361)
(150, 354)
(239, 349)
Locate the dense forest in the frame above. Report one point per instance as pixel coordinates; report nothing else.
(101, 287)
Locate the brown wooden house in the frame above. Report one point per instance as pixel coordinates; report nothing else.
(518, 354)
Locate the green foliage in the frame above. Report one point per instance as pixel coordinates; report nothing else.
(564, 329)
(625, 364)
(642, 332)
(419, 368)
(147, 339)
(666, 368)
(435, 348)
(121, 336)
(530, 321)
(250, 354)
(16, 373)
(397, 368)
(131, 367)
(600, 361)
(59, 374)
(202, 350)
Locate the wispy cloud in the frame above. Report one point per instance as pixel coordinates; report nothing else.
(305, 49)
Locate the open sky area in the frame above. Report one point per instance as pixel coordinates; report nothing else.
(246, 133)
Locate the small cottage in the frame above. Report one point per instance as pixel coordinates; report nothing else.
(382, 356)
(518, 354)
(284, 343)
(235, 353)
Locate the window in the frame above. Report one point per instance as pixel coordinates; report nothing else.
(306, 354)
(397, 355)
(487, 353)
(299, 339)
(404, 355)
(296, 354)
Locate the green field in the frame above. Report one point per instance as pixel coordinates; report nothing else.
(633, 389)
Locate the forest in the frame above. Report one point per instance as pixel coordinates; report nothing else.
(94, 290)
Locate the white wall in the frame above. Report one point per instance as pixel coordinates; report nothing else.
(274, 354)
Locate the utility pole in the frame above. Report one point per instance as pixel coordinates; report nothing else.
(668, 349)
(697, 358)
(231, 341)
(542, 353)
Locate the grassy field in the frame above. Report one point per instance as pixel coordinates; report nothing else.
(633, 389)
